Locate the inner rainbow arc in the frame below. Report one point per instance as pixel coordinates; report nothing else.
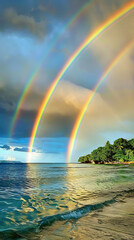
(124, 11)
(82, 113)
(36, 70)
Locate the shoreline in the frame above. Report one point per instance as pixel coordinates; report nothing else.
(111, 163)
(113, 222)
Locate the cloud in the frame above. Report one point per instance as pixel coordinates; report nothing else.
(20, 56)
(119, 86)
(16, 149)
(8, 98)
(38, 18)
(7, 147)
(22, 149)
(10, 20)
(112, 41)
(65, 106)
(67, 101)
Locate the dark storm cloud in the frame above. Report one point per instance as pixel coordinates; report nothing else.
(38, 18)
(61, 9)
(19, 56)
(57, 122)
(22, 16)
(8, 97)
(56, 125)
(11, 20)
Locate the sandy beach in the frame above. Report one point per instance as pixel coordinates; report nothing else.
(114, 222)
(111, 223)
(79, 202)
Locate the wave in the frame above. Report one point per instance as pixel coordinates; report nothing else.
(82, 211)
(49, 220)
(74, 214)
(66, 216)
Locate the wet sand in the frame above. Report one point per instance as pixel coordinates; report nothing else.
(115, 222)
(111, 223)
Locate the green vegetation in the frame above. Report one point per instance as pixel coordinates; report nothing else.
(120, 151)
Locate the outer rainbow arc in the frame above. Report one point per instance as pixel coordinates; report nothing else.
(34, 74)
(18, 107)
(81, 115)
(106, 25)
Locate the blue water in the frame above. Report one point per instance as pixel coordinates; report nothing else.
(36, 195)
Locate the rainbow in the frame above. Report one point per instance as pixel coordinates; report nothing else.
(36, 70)
(124, 11)
(81, 115)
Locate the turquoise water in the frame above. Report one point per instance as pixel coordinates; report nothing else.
(33, 196)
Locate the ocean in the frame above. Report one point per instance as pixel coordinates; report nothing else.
(66, 201)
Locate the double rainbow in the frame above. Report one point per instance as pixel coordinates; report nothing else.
(81, 115)
(124, 11)
(36, 70)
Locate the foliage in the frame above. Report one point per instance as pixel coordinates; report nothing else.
(120, 144)
(119, 156)
(131, 143)
(85, 159)
(122, 150)
(129, 155)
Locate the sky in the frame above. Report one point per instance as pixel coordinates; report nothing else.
(33, 30)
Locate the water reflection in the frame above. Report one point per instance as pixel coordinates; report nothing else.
(30, 192)
(46, 192)
(12, 185)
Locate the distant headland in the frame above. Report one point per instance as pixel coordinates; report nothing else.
(9, 161)
(120, 152)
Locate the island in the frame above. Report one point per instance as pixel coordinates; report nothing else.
(120, 152)
(9, 161)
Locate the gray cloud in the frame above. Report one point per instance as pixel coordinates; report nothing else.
(8, 97)
(108, 106)
(18, 58)
(10, 20)
(7, 147)
(18, 149)
(22, 149)
(42, 16)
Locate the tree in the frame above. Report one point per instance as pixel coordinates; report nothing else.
(120, 144)
(108, 151)
(85, 159)
(119, 156)
(131, 143)
(121, 150)
(103, 154)
(98, 155)
(129, 155)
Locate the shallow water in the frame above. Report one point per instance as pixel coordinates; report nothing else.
(37, 196)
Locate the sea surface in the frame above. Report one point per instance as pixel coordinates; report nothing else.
(50, 201)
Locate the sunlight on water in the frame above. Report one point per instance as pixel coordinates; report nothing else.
(30, 193)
